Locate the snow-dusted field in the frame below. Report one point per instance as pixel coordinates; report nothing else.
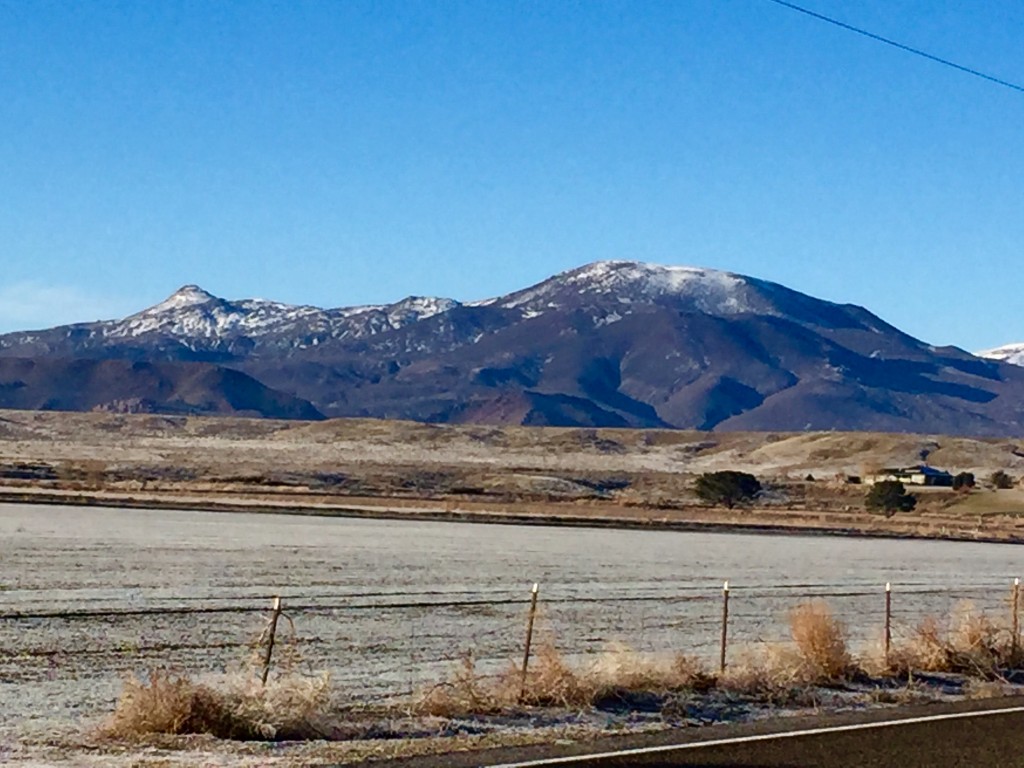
(388, 607)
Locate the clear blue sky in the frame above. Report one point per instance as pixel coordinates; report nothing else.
(337, 153)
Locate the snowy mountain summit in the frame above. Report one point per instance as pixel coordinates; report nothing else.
(1008, 353)
(628, 282)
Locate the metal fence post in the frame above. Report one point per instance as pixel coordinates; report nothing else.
(274, 616)
(1015, 619)
(725, 626)
(888, 621)
(529, 640)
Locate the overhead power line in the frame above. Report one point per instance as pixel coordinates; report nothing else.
(901, 46)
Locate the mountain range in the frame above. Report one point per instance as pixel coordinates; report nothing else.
(610, 344)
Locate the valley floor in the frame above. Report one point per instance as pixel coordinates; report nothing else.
(621, 478)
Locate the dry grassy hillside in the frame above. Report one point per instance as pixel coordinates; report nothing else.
(225, 444)
(528, 470)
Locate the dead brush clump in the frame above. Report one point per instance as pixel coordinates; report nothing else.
(924, 651)
(820, 643)
(621, 668)
(817, 655)
(552, 681)
(771, 672)
(464, 692)
(973, 644)
(978, 645)
(241, 709)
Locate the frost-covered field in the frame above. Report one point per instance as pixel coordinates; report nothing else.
(89, 595)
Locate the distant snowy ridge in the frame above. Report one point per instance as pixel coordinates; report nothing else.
(192, 314)
(194, 319)
(195, 314)
(1008, 353)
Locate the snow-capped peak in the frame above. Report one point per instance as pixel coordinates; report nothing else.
(186, 296)
(707, 290)
(655, 279)
(1008, 353)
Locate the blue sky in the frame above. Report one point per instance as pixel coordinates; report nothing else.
(338, 153)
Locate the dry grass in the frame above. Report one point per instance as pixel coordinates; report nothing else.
(767, 671)
(620, 667)
(464, 691)
(552, 681)
(972, 644)
(240, 708)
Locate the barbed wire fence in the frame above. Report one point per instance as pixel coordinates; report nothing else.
(386, 645)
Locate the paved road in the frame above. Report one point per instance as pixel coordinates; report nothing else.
(967, 735)
(982, 742)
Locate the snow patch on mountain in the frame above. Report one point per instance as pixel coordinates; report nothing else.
(628, 282)
(1008, 353)
(415, 308)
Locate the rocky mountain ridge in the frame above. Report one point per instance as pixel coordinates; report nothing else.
(608, 344)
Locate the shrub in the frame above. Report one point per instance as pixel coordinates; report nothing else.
(1001, 480)
(820, 642)
(890, 497)
(727, 488)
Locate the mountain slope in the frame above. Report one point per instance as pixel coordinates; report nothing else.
(608, 344)
(141, 387)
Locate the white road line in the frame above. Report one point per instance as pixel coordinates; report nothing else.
(758, 737)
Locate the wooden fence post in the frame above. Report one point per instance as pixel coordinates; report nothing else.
(274, 616)
(1015, 619)
(529, 640)
(888, 621)
(725, 626)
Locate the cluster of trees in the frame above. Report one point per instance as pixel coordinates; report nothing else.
(730, 488)
(999, 479)
(889, 497)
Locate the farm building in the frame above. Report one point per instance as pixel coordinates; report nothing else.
(920, 474)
